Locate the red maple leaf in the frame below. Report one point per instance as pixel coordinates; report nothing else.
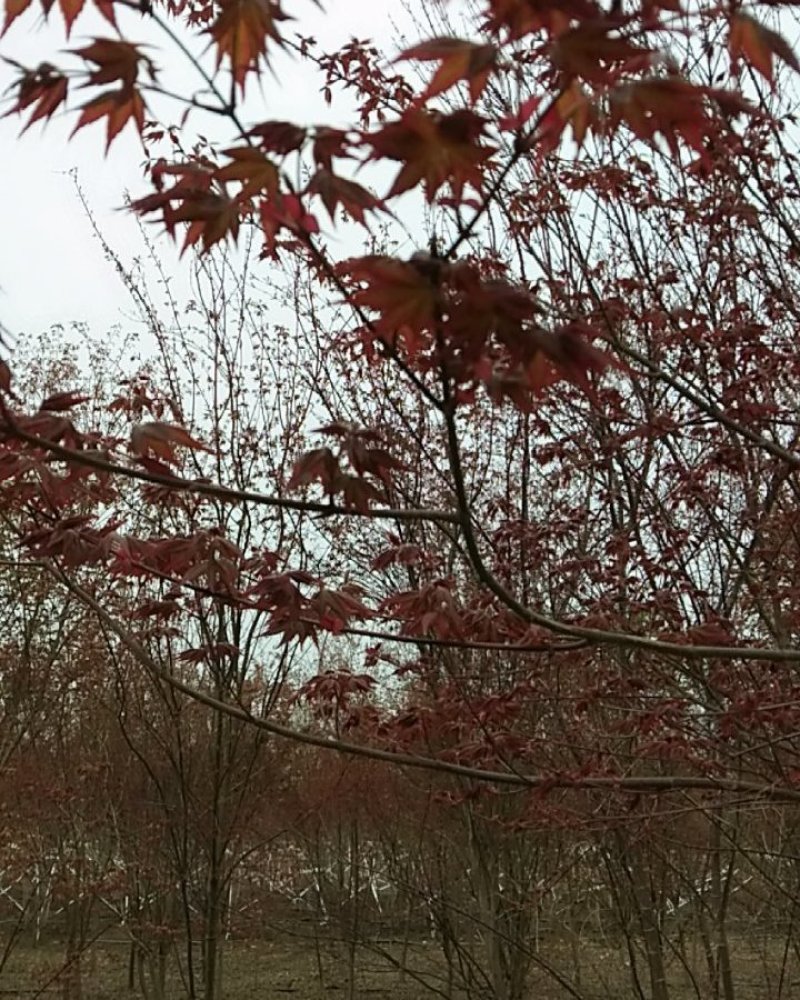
(435, 149)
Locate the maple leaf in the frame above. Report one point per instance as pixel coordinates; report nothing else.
(517, 119)
(44, 87)
(279, 137)
(211, 216)
(357, 492)
(5, 378)
(241, 32)
(573, 107)
(398, 555)
(376, 462)
(70, 10)
(115, 61)
(285, 211)
(757, 44)
(669, 106)
(14, 8)
(119, 107)
(161, 439)
(333, 190)
(459, 60)
(435, 150)
(62, 401)
(589, 51)
(318, 465)
(399, 291)
(197, 200)
(570, 350)
(252, 168)
(517, 18)
(328, 144)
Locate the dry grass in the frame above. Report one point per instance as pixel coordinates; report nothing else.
(309, 969)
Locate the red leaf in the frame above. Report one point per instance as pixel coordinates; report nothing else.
(62, 401)
(757, 44)
(160, 439)
(435, 150)
(241, 32)
(116, 61)
(119, 107)
(44, 87)
(279, 137)
(319, 465)
(334, 191)
(459, 60)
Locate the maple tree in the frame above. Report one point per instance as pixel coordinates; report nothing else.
(540, 472)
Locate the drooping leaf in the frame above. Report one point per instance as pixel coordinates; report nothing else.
(458, 60)
(161, 439)
(256, 173)
(118, 107)
(334, 191)
(242, 31)
(44, 88)
(757, 44)
(435, 149)
(116, 61)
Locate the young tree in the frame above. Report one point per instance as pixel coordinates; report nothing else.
(570, 405)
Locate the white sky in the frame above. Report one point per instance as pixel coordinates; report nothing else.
(52, 268)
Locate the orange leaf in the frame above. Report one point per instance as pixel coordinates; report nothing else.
(119, 107)
(256, 172)
(241, 32)
(13, 10)
(757, 44)
(70, 10)
(459, 60)
(161, 439)
(435, 149)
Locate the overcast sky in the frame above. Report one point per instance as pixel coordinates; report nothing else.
(52, 268)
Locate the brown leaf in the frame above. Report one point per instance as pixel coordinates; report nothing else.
(458, 60)
(757, 44)
(241, 32)
(161, 439)
(119, 107)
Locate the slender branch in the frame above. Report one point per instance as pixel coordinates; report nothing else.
(226, 493)
(633, 784)
(607, 637)
(521, 146)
